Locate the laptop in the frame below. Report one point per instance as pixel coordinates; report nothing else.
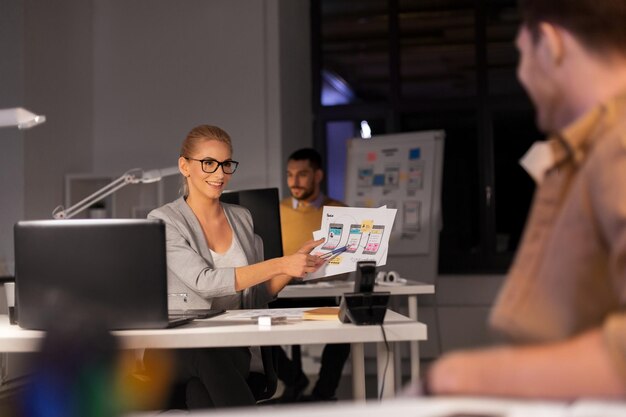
(113, 270)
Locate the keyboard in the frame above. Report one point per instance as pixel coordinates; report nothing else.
(194, 314)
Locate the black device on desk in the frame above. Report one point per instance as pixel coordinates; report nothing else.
(364, 306)
(111, 270)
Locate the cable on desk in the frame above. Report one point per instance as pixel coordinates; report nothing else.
(382, 385)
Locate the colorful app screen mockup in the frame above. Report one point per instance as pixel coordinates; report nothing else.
(374, 239)
(334, 236)
(354, 238)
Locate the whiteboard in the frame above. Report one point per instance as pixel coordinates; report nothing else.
(401, 171)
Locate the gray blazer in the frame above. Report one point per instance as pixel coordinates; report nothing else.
(192, 281)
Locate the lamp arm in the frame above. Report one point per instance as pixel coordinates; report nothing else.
(130, 177)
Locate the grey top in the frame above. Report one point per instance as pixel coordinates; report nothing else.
(234, 256)
(193, 280)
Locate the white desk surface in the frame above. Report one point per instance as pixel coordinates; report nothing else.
(427, 407)
(226, 331)
(337, 288)
(229, 330)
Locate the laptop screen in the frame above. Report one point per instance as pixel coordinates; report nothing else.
(112, 269)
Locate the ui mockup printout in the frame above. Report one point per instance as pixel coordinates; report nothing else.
(351, 235)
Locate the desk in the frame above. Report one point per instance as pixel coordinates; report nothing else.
(336, 288)
(229, 331)
(431, 407)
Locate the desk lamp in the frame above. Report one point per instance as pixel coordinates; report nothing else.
(134, 176)
(20, 117)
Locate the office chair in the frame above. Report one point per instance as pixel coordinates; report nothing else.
(263, 204)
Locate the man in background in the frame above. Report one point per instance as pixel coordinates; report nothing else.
(300, 216)
(562, 309)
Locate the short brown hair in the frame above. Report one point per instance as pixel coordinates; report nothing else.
(599, 24)
(202, 133)
(307, 154)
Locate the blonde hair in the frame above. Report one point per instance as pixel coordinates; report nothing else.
(198, 135)
(203, 133)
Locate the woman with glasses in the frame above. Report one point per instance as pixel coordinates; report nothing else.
(216, 261)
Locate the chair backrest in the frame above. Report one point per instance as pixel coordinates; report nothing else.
(263, 204)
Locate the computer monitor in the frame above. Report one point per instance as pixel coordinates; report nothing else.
(263, 204)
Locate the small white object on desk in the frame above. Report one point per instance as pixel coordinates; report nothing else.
(265, 323)
(275, 314)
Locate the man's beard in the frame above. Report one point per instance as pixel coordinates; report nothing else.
(306, 193)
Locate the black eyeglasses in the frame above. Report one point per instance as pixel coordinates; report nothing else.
(211, 165)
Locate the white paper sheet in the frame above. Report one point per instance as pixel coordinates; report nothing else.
(355, 234)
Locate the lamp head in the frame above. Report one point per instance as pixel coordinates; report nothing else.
(20, 117)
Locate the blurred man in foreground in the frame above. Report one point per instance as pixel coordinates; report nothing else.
(563, 306)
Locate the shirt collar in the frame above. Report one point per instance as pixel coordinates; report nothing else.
(577, 138)
(574, 141)
(317, 203)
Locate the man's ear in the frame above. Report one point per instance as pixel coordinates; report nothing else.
(553, 44)
(319, 176)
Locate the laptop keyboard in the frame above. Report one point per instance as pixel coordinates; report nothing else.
(195, 314)
(178, 321)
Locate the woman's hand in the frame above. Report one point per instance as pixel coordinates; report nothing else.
(302, 262)
(309, 245)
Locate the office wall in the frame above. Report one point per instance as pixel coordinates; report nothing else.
(162, 67)
(296, 77)
(11, 145)
(58, 67)
(459, 317)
